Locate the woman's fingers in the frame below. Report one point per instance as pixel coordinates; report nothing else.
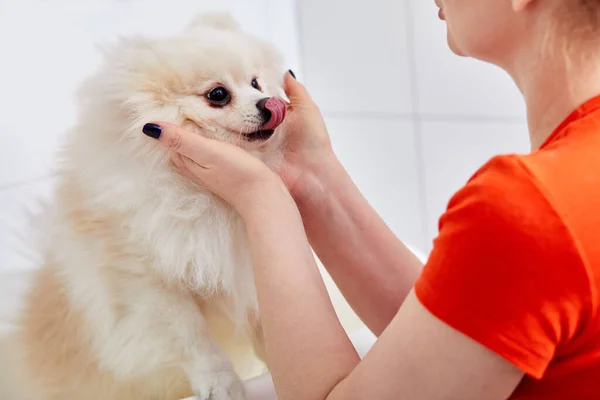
(197, 148)
(182, 167)
(295, 91)
(193, 168)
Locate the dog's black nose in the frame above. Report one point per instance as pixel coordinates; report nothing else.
(264, 112)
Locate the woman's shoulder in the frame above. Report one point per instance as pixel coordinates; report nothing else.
(506, 265)
(507, 213)
(505, 188)
(550, 195)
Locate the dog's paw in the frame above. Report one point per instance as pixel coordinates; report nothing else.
(219, 385)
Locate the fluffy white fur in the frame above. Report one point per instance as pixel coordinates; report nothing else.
(146, 282)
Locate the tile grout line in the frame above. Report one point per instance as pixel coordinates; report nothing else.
(425, 117)
(471, 118)
(417, 131)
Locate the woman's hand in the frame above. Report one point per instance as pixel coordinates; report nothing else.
(308, 146)
(226, 170)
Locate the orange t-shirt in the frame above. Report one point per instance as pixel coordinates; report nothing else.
(516, 264)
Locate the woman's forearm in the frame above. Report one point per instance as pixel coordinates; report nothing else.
(370, 265)
(307, 349)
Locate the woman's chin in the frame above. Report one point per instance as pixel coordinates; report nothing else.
(453, 47)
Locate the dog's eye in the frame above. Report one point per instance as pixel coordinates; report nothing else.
(218, 96)
(255, 84)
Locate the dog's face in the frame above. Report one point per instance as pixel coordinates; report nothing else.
(233, 96)
(212, 79)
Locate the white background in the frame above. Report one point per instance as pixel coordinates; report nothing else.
(410, 120)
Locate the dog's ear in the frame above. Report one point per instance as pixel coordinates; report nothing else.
(223, 21)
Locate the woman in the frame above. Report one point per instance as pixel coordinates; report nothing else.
(507, 305)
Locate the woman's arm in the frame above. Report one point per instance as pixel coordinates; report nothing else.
(372, 268)
(302, 333)
(308, 352)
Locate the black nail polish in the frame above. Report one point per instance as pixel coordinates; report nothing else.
(292, 74)
(152, 130)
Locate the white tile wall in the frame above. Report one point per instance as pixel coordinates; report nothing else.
(390, 183)
(356, 55)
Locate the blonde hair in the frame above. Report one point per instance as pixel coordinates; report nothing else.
(582, 19)
(572, 36)
(589, 11)
(574, 25)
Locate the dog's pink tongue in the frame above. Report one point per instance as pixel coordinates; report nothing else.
(277, 107)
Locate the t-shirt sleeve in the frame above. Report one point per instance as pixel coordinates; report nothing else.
(505, 269)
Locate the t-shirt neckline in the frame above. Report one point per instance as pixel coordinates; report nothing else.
(584, 109)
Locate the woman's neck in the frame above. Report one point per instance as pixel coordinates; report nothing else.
(554, 87)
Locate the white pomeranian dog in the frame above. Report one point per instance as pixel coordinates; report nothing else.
(146, 289)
